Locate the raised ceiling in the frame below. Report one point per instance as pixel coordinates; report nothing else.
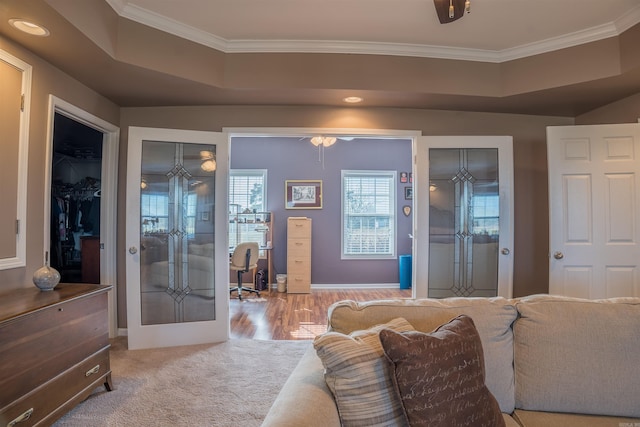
(495, 30)
(531, 57)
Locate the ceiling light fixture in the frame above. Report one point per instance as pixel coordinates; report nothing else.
(352, 99)
(208, 161)
(29, 27)
(208, 165)
(451, 10)
(325, 141)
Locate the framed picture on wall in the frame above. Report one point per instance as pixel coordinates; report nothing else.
(408, 193)
(303, 194)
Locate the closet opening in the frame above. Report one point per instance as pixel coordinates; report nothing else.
(76, 172)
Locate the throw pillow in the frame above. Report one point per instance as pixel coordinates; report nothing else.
(359, 376)
(440, 378)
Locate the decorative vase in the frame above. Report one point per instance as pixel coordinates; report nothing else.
(46, 278)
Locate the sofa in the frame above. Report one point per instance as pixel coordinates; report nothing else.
(548, 360)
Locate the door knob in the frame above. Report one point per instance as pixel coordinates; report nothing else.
(133, 250)
(558, 255)
(505, 251)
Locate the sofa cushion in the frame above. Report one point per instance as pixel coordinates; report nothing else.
(492, 317)
(439, 376)
(359, 376)
(555, 419)
(304, 400)
(579, 356)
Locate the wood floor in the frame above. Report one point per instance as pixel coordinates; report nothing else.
(282, 316)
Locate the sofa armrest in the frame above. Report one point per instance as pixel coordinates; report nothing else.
(305, 399)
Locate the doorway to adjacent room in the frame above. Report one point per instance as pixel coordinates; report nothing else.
(80, 198)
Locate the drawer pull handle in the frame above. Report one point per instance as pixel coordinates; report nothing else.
(92, 371)
(24, 417)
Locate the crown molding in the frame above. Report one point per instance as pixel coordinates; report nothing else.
(364, 48)
(589, 35)
(176, 28)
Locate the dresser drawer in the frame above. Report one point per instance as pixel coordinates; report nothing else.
(299, 266)
(36, 348)
(298, 284)
(45, 399)
(299, 248)
(299, 228)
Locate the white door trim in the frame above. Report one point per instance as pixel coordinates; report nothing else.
(352, 132)
(312, 131)
(109, 182)
(26, 70)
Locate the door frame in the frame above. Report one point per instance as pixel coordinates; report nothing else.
(108, 207)
(413, 135)
(421, 205)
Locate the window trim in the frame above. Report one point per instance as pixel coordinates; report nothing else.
(393, 217)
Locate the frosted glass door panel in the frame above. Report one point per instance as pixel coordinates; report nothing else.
(464, 216)
(176, 233)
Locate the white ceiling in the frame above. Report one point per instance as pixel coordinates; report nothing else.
(495, 30)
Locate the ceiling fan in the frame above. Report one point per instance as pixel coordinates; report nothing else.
(451, 10)
(327, 141)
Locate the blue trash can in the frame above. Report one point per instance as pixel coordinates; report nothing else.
(404, 265)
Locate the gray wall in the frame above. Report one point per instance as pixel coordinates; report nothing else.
(288, 158)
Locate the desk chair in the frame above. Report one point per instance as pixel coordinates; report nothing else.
(243, 259)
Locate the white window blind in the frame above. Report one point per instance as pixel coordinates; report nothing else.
(368, 206)
(154, 212)
(246, 194)
(246, 189)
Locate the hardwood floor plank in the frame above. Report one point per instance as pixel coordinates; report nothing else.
(282, 316)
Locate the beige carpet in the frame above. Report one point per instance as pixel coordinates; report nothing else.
(227, 384)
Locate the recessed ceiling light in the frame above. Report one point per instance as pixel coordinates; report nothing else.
(29, 27)
(352, 99)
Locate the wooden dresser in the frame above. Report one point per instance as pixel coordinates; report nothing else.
(54, 351)
(298, 255)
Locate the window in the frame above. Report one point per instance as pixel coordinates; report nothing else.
(246, 194)
(368, 220)
(154, 212)
(486, 214)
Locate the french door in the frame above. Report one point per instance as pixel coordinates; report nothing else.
(177, 254)
(463, 216)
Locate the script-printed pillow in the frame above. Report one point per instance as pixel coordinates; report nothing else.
(440, 378)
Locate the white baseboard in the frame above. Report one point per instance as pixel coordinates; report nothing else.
(355, 286)
(123, 332)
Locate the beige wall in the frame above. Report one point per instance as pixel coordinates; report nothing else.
(531, 205)
(46, 80)
(624, 111)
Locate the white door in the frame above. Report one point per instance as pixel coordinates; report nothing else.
(177, 251)
(594, 202)
(463, 216)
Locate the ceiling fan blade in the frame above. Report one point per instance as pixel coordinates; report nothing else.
(442, 7)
